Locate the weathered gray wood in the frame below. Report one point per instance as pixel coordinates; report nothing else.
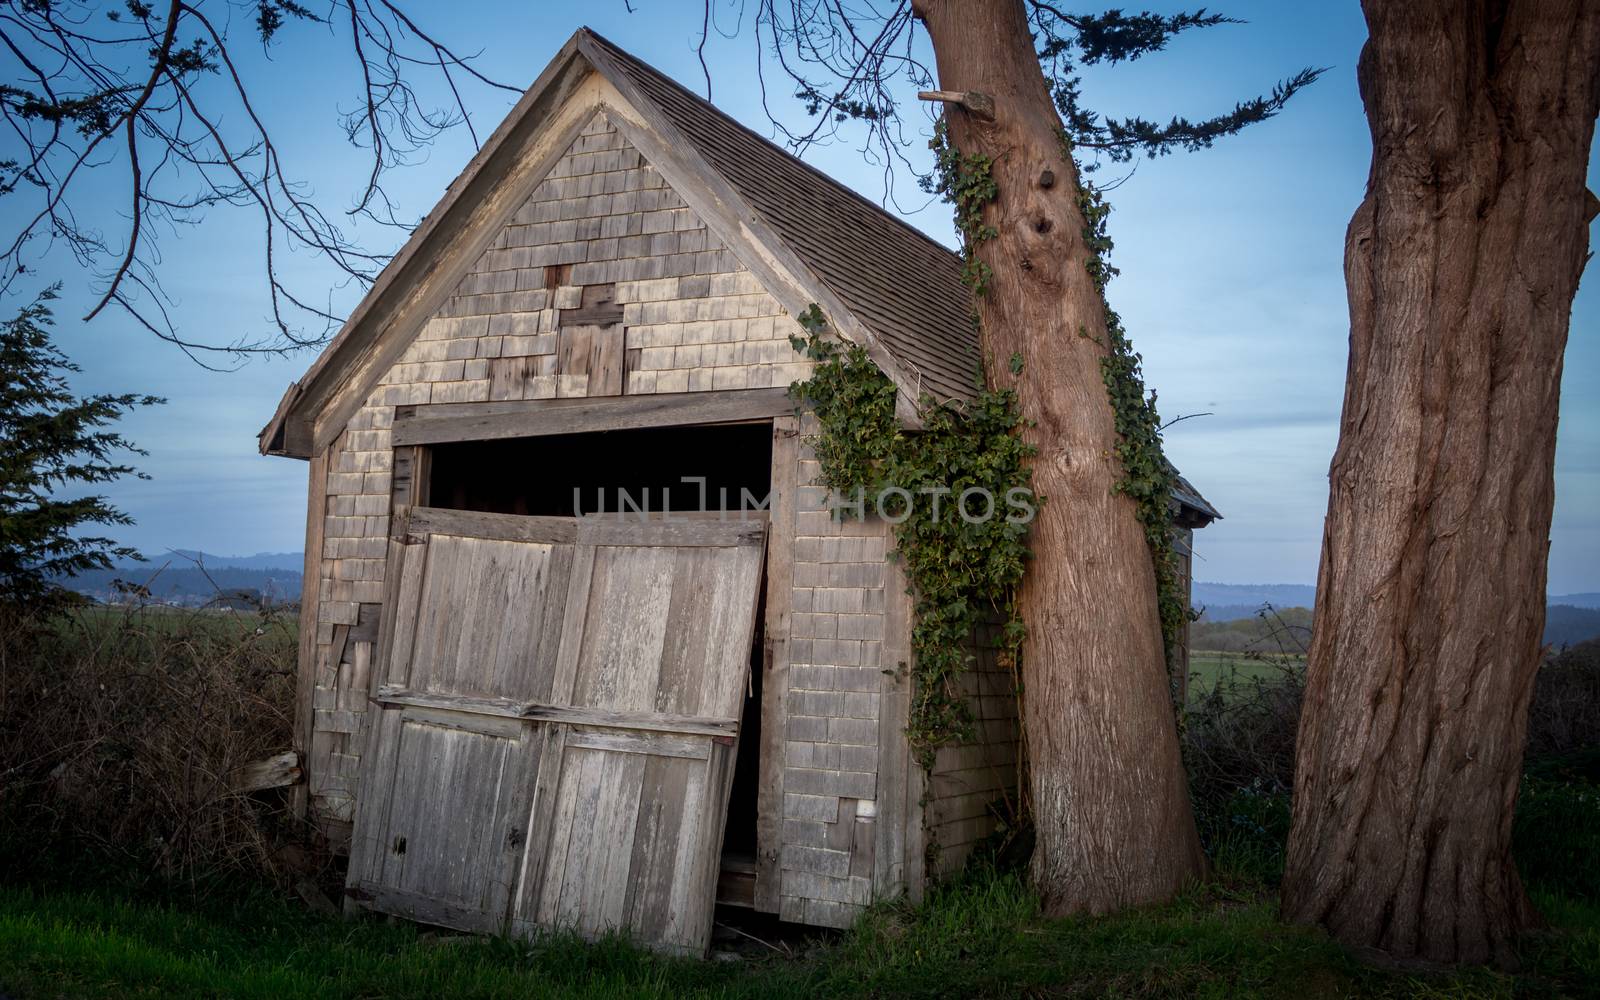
(452, 763)
(409, 472)
(505, 708)
(535, 810)
(660, 745)
(775, 662)
(524, 918)
(598, 903)
(396, 669)
(453, 814)
(466, 721)
(599, 308)
(574, 349)
(437, 423)
(338, 649)
(422, 908)
(635, 830)
(619, 667)
(605, 360)
(274, 772)
(310, 595)
(889, 871)
(381, 744)
(366, 627)
(476, 524)
(663, 790)
(654, 722)
(668, 531)
(575, 614)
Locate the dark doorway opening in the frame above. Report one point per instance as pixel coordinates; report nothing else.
(564, 475)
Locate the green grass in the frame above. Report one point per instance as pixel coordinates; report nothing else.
(982, 937)
(1209, 669)
(279, 628)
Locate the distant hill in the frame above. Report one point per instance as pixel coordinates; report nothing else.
(1234, 612)
(179, 581)
(1565, 624)
(1576, 600)
(261, 560)
(1250, 596)
(1569, 618)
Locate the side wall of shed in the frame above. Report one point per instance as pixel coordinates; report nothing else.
(973, 784)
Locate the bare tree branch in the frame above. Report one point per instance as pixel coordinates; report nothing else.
(82, 71)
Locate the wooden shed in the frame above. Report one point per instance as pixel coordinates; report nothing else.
(516, 711)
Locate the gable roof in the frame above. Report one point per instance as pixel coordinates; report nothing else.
(881, 281)
(902, 284)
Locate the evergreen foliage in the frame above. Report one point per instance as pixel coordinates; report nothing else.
(52, 442)
(1068, 41)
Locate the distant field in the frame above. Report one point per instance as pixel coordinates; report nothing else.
(98, 621)
(1209, 669)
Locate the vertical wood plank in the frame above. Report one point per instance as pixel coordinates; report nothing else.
(542, 812)
(406, 615)
(890, 867)
(310, 586)
(574, 347)
(606, 361)
(658, 831)
(574, 616)
(623, 634)
(775, 661)
(605, 891)
(421, 475)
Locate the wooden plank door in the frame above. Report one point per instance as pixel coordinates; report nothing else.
(472, 630)
(631, 798)
(556, 718)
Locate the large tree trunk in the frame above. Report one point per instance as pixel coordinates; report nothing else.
(1461, 263)
(1109, 796)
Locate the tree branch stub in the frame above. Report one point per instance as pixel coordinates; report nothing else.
(977, 104)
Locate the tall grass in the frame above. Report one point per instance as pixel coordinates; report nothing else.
(124, 730)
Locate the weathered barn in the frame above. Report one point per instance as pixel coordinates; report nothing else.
(516, 713)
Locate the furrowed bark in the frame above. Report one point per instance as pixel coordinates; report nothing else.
(1109, 796)
(1461, 263)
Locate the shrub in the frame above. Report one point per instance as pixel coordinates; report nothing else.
(1557, 834)
(125, 730)
(1239, 735)
(1565, 713)
(1239, 738)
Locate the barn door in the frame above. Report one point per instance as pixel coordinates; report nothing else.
(473, 625)
(558, 724)
(632, 793)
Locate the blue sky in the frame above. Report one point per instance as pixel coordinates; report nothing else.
(1231, 286)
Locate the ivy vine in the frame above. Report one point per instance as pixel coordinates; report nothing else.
(963, 571)
(1147, 476)
(967, 182)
